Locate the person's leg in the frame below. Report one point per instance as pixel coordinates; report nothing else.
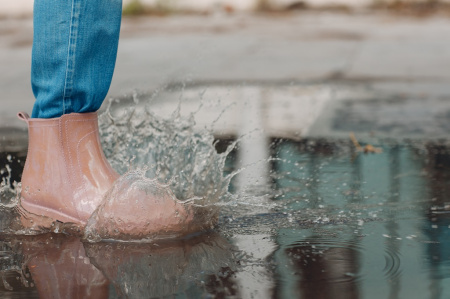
(74, 53)
(74, 50)
(66, 175)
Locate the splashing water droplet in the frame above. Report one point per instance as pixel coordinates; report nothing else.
(170, 150)
(158, 214)
(180, 176)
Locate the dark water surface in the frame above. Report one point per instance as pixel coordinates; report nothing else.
(333, 223)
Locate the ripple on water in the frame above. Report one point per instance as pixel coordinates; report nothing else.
(392, 268)
(336, 261)
(324, 260)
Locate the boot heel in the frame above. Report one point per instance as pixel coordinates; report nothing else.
(34, 222)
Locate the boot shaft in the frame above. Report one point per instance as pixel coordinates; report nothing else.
(65, 169)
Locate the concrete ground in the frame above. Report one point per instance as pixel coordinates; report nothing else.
(321, 73)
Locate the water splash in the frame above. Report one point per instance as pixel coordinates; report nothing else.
(170, 150)
(138, 208)
(9, 199)
(178, 182)
(169, 171)
(8, 189)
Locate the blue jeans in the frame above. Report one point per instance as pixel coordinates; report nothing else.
(74, 54)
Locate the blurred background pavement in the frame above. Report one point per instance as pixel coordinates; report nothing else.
(322, 71)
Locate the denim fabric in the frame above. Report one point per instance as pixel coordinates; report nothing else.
(74, 54)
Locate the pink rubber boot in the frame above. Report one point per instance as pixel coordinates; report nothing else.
(66, 173)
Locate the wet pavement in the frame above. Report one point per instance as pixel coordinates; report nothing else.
(332, 223)
(405, 57)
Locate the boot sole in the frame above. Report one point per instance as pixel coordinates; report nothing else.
(36, 217)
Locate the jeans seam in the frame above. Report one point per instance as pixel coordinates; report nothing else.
(70, 63)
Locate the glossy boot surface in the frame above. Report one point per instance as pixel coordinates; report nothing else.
(66, 173)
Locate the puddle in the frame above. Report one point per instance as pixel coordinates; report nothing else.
(302, 218)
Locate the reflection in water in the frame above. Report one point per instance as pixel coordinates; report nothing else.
(365, 207)
(64, 267)
(339, 224)
(316, 267)
(324, 272)
(392, 244)
(56, 266)
(343, 225)
(60, 269)
(438, 224)
(166, 268)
